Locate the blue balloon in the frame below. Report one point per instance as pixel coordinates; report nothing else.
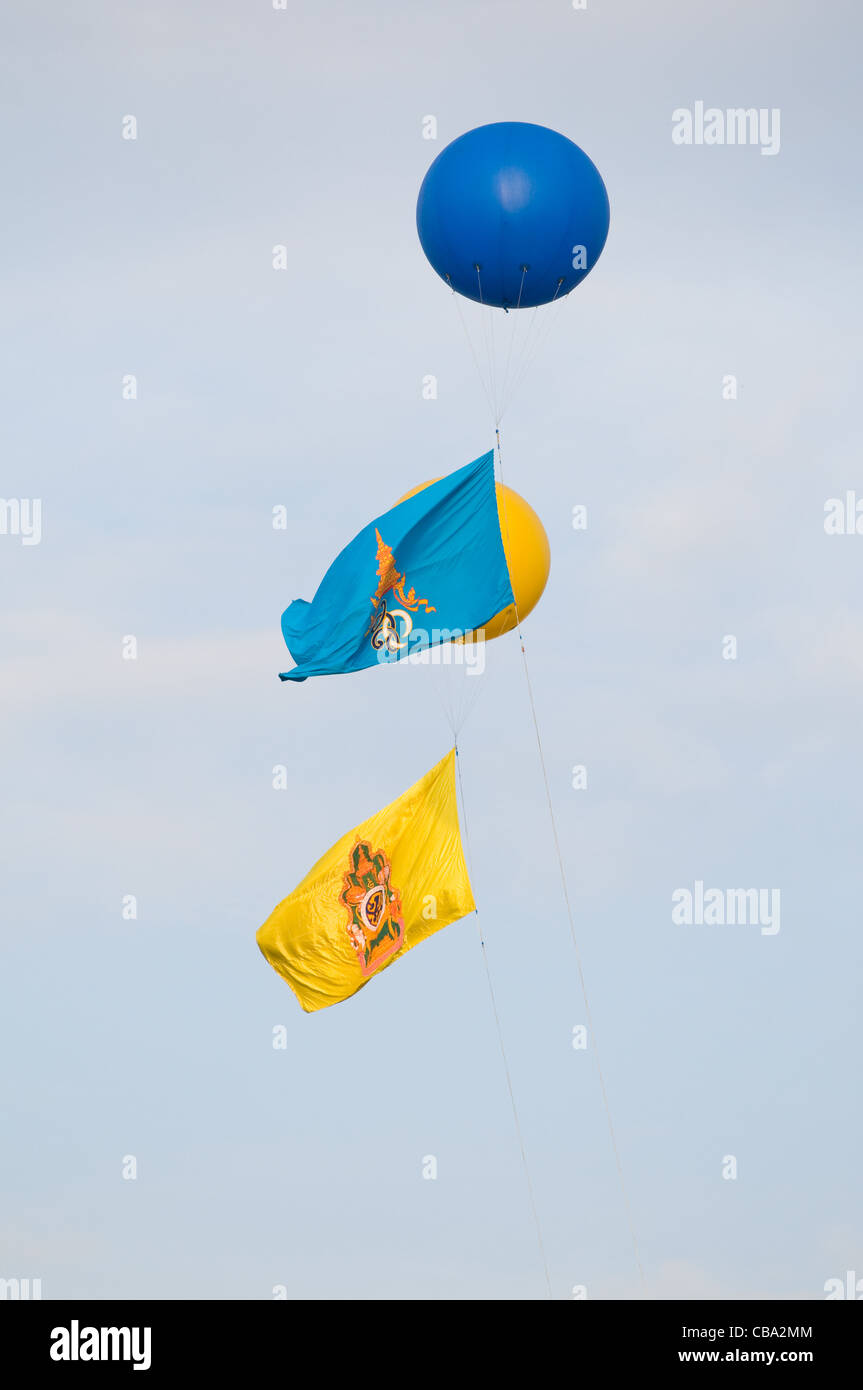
(520, 202)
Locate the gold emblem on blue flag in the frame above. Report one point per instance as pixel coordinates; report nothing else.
(391, 627)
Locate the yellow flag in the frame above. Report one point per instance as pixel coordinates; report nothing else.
(381, 889)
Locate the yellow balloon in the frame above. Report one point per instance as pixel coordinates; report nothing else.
(528, 556)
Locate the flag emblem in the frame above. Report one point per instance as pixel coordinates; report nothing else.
(391, 627)
(374, 907)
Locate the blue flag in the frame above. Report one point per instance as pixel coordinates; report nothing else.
(430, 569)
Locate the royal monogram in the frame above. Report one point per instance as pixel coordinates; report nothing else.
(391, 627)
(374, 907)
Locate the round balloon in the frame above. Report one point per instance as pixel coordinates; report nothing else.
(528, 557)
(512, 215)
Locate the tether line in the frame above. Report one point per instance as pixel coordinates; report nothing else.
(500, 408)
(492, 366)
(571, 918)
(530, 350)
(499, 1028)
(473, 352)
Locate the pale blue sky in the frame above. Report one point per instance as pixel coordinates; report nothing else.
(303, 1167)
